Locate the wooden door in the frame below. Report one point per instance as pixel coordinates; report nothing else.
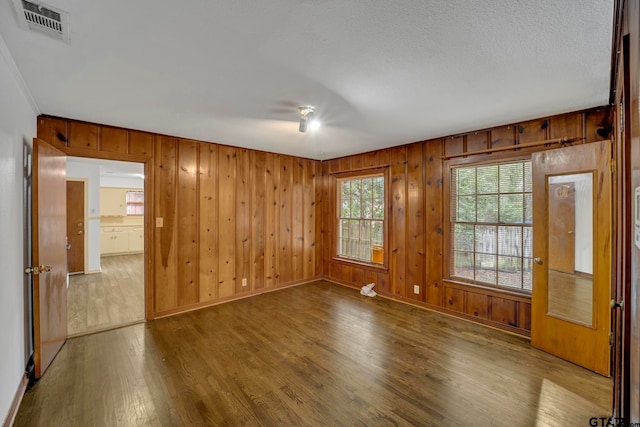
(49, 253)
(75, 225)
(569, 334)
(562, 208)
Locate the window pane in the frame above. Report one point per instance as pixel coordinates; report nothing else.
(378, 208)
(486, 239)
(466, 209)
(376, 233)
(527, 242)
(510, 271)
(486, 268)
(488, 179)
(463, 237)
(510, 241)
(488, 208)
(511, 178)
(528, 208)
(527, 275)
(466, 181)
(512, 208)
(378, 187)
(527, 177)
(463, 265)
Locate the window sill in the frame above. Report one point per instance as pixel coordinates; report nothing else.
(360, 263)
(524, 296)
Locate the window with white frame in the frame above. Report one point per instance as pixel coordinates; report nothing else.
(135, 202)
(361, 218)
(491, 224)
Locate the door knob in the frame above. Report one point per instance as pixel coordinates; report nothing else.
(79, 224)
(570, 232)
(79, 231)
(537, 260)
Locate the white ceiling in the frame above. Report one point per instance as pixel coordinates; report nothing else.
(381, 73)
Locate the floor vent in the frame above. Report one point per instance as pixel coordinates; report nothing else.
(39, 17)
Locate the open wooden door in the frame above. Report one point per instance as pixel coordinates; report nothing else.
(570, 313)
(49, 253)
(75, 225)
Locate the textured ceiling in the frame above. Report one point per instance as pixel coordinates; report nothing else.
(380, 73)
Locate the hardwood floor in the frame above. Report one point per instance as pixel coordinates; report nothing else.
(108, 299)
(315, 354)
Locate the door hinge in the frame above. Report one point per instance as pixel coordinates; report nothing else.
(612, 165)
(611, 339)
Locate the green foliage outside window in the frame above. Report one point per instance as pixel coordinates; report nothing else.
(491, 224)
(361, 208)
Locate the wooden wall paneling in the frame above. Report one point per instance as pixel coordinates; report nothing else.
(453, 145)
(344, 164)
(113, 140)
(415, 248)
(524, 315)
(243, 220)
(532, 131)
(569, 125)
(286, 223)
(370, 276)
(257, 220)
(503, 136)
(357, 162)
(226, 221)
(477, 305)
(318, 206)
(599, 125)
(165, 256)
(357, 276)
(382, 281)
(84, 135)
(272, 220)
(187, 228)
(208, 222)
(140, 143)
(398, 223)
(454, 299)
(297, 221)
(504, 311)
(477, 141)
(433, 221)
(328, 217)
(53, 131)
(309, 218)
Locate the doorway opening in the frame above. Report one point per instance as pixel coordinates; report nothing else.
(105, 232)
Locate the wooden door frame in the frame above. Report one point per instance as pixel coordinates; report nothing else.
(148, 221)
(85, 219)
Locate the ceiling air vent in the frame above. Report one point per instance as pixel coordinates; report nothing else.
(37, 16)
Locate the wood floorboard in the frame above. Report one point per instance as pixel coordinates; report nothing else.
(108, 299)
(315, 354)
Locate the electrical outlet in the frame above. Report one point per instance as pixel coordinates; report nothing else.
(244, 281)
(416, 289)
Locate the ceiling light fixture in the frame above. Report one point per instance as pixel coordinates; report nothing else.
(306, 118)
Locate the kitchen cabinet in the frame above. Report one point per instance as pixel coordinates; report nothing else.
(113, 201)
(136, 239)
(114, 240)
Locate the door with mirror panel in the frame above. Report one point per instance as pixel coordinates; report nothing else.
(572, 254)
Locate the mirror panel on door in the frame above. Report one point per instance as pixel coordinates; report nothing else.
(570, 246)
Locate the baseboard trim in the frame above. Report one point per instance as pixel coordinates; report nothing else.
(17, 399)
